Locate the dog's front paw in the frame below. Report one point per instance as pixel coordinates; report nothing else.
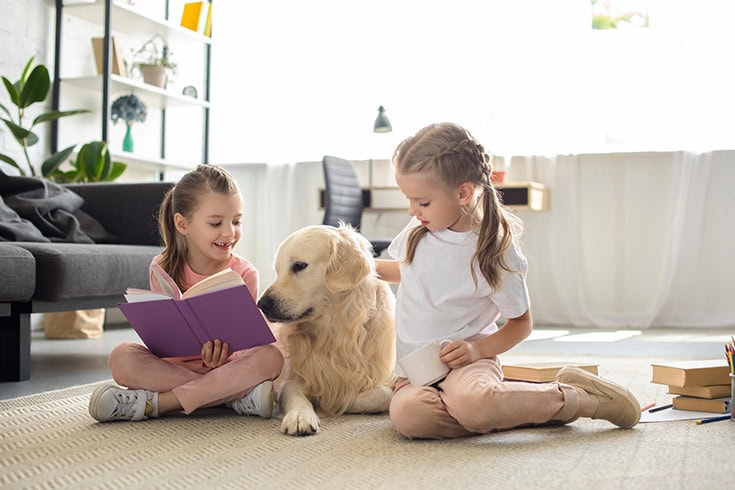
(300, 423)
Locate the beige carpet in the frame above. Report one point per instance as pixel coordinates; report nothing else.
(49, 441)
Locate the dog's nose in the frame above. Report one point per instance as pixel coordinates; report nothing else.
(266, 304)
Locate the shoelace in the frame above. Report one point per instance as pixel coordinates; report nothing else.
(247, 403)
(126, 405)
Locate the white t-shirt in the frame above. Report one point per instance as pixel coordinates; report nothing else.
(437, 298)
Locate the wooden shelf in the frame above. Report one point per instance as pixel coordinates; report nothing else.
(516, 195)
(149, 94)
(524, 195)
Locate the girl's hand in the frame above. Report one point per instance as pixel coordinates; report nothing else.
(458, 353)
(215, 354)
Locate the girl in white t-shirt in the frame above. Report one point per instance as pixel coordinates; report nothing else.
(460, 269)
(200, 224)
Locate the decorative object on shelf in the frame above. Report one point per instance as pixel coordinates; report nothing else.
(32, 87)
(118, 64)
(154, 60)
(190, 91)
(197, 16)
(497, 177)
(130, 109)
(382, 124)
(93, 164)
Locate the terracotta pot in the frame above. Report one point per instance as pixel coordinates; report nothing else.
(497, 177)
(155, 75)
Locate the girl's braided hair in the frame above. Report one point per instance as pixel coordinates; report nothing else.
(452, 155)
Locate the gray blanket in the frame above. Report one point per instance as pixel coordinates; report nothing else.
(38, 210)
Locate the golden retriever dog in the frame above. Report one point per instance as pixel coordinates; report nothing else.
(337, 327)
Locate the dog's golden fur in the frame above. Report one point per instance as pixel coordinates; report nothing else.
(337, 327)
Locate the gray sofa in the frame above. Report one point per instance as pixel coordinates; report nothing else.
(38, 277)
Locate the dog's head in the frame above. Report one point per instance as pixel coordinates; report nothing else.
(313, 266)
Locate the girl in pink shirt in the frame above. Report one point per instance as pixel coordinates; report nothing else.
(200, 224)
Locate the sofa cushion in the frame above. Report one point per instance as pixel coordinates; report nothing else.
(18, 273)
(74, 270)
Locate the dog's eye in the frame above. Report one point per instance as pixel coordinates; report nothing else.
(298, 266)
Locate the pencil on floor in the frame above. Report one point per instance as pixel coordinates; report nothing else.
(650, 405)
(712, 419)
(662, 407)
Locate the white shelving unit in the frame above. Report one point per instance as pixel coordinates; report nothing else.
(116, 16)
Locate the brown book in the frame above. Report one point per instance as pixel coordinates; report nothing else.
(709, 392)
(118, 64)
(717, 405)
(541, 371)
(692, 373)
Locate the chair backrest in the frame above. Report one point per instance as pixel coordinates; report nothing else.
(342, 193)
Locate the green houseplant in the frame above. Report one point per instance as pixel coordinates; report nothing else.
(130, 109)
(92, 164)
(32, 87)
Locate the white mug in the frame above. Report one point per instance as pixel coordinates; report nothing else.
(422, 366)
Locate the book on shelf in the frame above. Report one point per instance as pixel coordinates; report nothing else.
(691, 373)
(196, 15)
(716, 405)
(218, 307)
(116, 59)
(541, 371)
(713, 391)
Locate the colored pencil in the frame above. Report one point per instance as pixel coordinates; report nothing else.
(712, 419)
(662, 407)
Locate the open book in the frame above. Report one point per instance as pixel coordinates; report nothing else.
(218, 307)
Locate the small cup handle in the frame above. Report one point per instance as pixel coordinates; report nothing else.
(444, 343)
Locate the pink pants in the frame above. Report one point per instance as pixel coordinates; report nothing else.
(474, 399)
(195, 386)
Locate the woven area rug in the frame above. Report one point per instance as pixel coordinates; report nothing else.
(49, 441)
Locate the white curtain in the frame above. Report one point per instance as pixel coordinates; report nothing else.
(632, 239)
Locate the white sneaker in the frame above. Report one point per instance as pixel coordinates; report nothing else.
(110, 403)
(258, 402)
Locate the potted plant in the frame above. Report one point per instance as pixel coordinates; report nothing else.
(154, 60)
(33, 86)
(93, 164)
(130, 109)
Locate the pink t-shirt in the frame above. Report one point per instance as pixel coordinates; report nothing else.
(161, 282)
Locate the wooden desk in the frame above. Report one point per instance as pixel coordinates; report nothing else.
(515, 195)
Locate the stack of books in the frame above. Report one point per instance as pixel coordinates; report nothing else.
(699, 385)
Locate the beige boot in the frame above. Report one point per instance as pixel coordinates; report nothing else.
(614, 403)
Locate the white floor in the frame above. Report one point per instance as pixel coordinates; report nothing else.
(58, 364)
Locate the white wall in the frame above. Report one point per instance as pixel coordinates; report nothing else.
(526, 77)
(20, 39)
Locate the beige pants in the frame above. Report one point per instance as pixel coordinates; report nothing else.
(474, 399)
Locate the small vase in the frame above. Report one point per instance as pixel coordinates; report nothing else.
(128, 140)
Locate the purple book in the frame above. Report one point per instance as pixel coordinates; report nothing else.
(174, 328)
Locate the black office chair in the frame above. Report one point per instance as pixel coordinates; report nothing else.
(343, 201)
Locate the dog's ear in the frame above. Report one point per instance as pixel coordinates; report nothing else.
(348, 262)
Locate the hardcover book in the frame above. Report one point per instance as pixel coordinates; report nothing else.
(219, 307)
(692, 373)
(541, 372)
(717, 405)
(714, 391)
